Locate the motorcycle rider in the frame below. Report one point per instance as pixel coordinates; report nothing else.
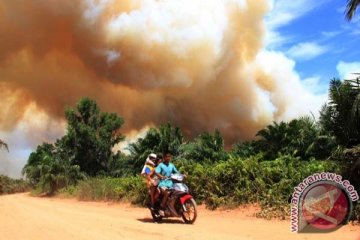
(164, 171)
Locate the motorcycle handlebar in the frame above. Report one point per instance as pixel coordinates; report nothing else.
(167, 178)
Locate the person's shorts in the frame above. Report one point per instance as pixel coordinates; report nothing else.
(166, 184)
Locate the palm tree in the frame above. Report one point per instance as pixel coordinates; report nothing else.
(344, 104)
(3, 145)
(351, 8)
(205, 147)
(140, 149)
(273, 138)
(171, 138)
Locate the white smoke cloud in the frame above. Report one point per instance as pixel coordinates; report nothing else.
(35, 128)
(288, 93)
(201, 65)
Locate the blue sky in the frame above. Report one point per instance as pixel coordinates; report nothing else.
(316, 35)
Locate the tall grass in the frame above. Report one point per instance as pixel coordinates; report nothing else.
(130, 189)
(9, 185)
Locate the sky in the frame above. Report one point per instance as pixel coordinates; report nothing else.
(317, 37)
(233, 65)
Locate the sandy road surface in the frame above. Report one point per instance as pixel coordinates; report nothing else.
(31, 218)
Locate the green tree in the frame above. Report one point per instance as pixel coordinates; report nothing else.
(272, 139)
(85, 149)
(326, 120)
(48, 170)
(294, 138)
(351, 8)
(57, 174)
(302, 132)
(167, 138)
(37, 159)
(205, 147)
(91, 135)
(341, 117)
(244, 149)
(120, 165)
(171, 138)
(140, 149)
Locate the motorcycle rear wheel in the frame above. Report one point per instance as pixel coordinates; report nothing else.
(190, 215)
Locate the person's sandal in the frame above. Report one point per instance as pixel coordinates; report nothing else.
(162, 212)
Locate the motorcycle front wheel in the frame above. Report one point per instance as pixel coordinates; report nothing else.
(189, 216)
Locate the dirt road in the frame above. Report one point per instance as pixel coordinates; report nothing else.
(31, 218)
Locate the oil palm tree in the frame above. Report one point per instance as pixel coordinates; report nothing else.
(351, 8)
(272, 139)
(344, 101)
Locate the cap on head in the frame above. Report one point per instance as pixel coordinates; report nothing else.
(152, 155)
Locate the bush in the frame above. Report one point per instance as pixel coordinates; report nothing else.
(251, 180)
(130, 189)
(9, 185)
(220, 184)
(356, 212)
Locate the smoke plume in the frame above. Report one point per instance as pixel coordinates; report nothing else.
(198, 64)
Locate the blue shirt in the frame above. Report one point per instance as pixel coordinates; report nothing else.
(166, 170)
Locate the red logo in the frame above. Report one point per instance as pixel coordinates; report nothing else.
(326, 206)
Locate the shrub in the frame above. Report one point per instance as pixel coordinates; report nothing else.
(220, 183)
(251, 180)
(130, 189)
(9, 185)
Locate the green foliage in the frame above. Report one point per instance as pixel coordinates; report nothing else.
(69, 191)
(251, 180)
(9, 185)
(140, 149)
(350, 159)
(356, 212)
(120, 166)
(244, 149)
(42, 156)
(170, 139)
(165, 139)
(131, 189)
(205, 147)
(47, 171)
(322, 147)
(91, 135)
(57, 175)
(342, 116)
(86, 149)
(300, 137)
(351, 8)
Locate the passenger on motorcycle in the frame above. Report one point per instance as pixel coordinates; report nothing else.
(149, 164)
(152, 181)
(164, 171)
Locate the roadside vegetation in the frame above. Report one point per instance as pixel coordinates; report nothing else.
(9, 185)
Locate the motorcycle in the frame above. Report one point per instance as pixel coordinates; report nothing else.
(179, 203)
